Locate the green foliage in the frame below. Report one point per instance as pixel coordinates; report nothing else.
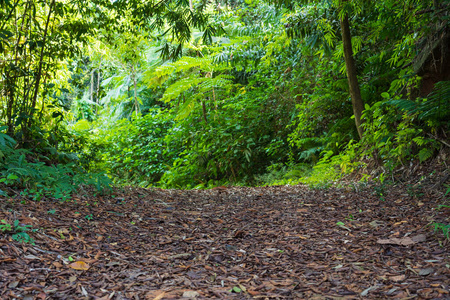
(325, 171)
(243, 135)
(135, 151)
(258, 106)
(282, 174)
(444, 228)
(441, 227)
(434, 108)
(393, 138)
(18, 232)
(19, 168)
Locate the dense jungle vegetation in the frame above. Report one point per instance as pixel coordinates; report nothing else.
(197, 94)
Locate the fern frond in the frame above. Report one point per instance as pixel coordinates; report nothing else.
(186, 109)
(419, 141)
(181, 86)
(218, 81)
(184, 64)
(159, 75)
(436, 106)
(425, 154)
(311, 153)
(408, 106)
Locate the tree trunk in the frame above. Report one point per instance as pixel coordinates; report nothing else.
(204, 112)
(355, 93)
(41, 58)
(136, 102)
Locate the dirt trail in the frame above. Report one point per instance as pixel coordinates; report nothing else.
(286, 242)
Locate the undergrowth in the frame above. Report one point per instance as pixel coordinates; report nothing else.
(18, 231)
(21, 169)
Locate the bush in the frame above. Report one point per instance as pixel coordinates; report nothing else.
(19, 168)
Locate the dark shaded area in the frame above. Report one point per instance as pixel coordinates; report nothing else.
(433, 62)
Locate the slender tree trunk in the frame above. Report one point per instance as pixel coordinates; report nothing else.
(39, 73)
(205, 118)
(41, 59)
(91, 89)
(9, 104)
(355, 93)
(98, 88)
(136, 103)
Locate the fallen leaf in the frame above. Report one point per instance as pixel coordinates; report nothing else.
(13, 285)
(79, 265)
(160, 296)
(391, 291)
(419, 238)
(253, 293)
(285, 282)
(404, 241)
(83, 291)
(425, 272)
(243, 288)
(397, 278)
(31, 257)
(342, 225)
(97, 256)
(190, 294)
(366, 291)
(399, 223)
(376, 223)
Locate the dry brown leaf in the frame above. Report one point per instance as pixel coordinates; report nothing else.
(160, 296)
(285, 282)
(399, 223)
(397, 278)
(419, 238)
(253, 293)
(190, 294)
(404, 241)
(231, 254)
(97, 256)
(79, 265)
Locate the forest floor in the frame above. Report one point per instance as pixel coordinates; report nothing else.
(280, 242)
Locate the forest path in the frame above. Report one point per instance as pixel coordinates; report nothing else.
(283, 242)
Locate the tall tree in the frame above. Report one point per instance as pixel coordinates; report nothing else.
(355, 93)
(343, 7)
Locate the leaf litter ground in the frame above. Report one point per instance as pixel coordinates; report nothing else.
(282, 242)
